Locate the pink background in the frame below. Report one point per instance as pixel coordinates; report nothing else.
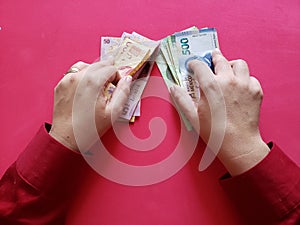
(40, 40)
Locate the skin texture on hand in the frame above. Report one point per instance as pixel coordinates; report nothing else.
(242, 147)
(91, 78)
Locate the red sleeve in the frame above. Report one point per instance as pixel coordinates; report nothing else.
(36, 189)
(269, 193)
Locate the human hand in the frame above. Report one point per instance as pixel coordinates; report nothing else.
(242, 147)
(92, 79)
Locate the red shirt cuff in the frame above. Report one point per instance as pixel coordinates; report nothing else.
(46, 164)
(271, 188)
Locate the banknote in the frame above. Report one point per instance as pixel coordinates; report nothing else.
(140, 85)
(175, 53)
(130, 57)
(195, 45)
(134, 55)
(136, 91)
(170, 52)
(169, 81)
(109, 46)
(174, 50)
(140, 77)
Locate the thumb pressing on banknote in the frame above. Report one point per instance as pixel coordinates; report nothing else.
(230, 99)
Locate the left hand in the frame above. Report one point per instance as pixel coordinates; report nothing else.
(96, 77)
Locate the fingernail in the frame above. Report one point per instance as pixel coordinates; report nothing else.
(128, 79)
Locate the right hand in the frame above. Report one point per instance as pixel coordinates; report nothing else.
(242, 147)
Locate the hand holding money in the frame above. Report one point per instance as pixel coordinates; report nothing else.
(133, 55)
(243, 146)
(175, 53)
(86, 82)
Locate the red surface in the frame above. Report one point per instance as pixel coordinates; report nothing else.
(39, 41)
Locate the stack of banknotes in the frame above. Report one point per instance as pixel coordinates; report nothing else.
(135, 55)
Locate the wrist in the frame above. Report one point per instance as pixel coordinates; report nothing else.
(64, 138)
(242, 153)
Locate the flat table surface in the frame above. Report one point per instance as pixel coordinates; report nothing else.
(40, 40)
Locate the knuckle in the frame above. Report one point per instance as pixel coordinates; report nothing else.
(232, 81)
(80, 65)
(218, 58)
(77, 64)
(72, 79)
(257, 95)
(241, 62)
(257, 92)
(60, 85)
(255, 88)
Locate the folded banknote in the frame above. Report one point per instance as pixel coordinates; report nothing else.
(133, 55)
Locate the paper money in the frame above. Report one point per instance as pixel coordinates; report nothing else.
(177, 50)
(134, 55)
(130, 57)
(109, 46)
(170, 52)
(141, 76)
(167, 58)
(169, 81)
(136, 91)
(195, 45)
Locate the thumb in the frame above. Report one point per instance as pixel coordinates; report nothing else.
(186, 104)
(119, 97)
